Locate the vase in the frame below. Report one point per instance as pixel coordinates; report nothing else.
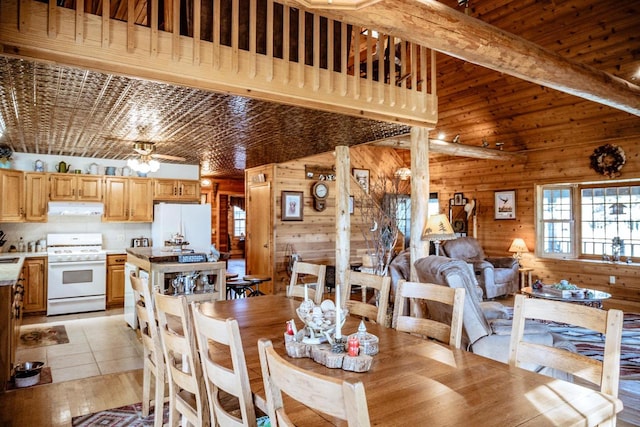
(5, 163)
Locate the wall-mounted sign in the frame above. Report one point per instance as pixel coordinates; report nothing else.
(320, 173)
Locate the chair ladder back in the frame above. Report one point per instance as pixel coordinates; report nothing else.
(315, 289)
(184, 369)
(153, 363)
(214, 332)
(604, 374)
(447, 333)
(381, 286)
(328, 395)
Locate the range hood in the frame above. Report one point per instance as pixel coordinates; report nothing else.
(76, 208)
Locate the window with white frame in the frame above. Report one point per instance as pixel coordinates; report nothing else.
(239, 222)
(589, 220)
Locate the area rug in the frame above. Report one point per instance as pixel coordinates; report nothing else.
(40, 336)
(591, 343)
(130, 415)
(45, 378)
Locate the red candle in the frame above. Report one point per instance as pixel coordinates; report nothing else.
(354, 346)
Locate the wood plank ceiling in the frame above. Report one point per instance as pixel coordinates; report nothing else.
(54, 109)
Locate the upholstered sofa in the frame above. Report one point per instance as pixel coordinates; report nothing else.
(497, 276)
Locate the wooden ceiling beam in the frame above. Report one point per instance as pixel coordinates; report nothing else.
(451, 149)
(434, 25)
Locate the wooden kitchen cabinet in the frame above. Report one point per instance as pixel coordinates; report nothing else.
(34, 275)
(85, 188)
(36, 196)
(115, 280)
(128, 200)
(176, 189)
(12, 195)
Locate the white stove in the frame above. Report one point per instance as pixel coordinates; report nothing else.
(77, 273)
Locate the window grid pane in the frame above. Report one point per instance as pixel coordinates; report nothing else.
(239, 222)
(609, 213)
(556, 218)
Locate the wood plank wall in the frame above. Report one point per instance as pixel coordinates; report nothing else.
(314, 237)
(479, 179)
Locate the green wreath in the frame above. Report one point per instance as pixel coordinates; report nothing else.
(608, 160)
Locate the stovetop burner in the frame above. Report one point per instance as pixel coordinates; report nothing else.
(75, 247)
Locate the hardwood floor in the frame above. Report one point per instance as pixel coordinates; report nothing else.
(56, 404)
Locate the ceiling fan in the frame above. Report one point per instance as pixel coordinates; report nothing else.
(146, 161)
(147, 149)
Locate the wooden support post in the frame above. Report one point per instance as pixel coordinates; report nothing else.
(419, 194)
(343, 219)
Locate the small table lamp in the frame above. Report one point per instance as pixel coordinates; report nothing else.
(518, 247)
(438, 228)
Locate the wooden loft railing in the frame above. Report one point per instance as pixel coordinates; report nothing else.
(256, 48)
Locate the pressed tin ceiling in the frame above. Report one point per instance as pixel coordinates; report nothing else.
(52, 109)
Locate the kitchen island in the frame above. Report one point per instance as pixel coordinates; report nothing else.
(11, 292)
(161, 266)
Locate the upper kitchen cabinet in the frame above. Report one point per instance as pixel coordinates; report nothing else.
(12, 195)
(36, 196)
(128, 200)
(176, 189)
(87, 188)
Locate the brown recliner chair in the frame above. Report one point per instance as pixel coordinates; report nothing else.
(497, 276)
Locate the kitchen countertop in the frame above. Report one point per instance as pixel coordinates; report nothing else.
(159, 254)
(10, 272)
(5, 255)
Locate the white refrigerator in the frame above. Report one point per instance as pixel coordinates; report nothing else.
(193, 221)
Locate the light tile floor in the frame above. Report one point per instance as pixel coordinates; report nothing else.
(99, 343)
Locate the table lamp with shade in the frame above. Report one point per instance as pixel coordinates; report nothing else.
(438, 229)
(518, 247)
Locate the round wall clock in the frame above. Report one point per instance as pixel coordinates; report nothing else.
(320, 191)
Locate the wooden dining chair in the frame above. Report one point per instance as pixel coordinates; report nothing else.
(374, 295)
(341, 399)
(605, 373)
(225, 370)
(315, 285)
(152, 347)
(187, 395)
(447, 333)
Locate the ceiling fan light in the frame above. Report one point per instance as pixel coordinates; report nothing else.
(154, 165)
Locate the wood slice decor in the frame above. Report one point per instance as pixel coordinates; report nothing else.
(322, 354)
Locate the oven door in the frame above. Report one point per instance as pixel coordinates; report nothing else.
(76, 279)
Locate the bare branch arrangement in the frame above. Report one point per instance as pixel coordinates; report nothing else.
(379, 228)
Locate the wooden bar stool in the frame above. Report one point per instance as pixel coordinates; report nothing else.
(255, 280)
(238, 289)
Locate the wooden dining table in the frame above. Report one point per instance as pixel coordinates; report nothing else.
(413, 381)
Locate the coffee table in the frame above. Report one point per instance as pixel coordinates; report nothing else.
(594, 300)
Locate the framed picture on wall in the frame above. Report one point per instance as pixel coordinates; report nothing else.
(505, 204)
(291, 205)
(362, 176)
